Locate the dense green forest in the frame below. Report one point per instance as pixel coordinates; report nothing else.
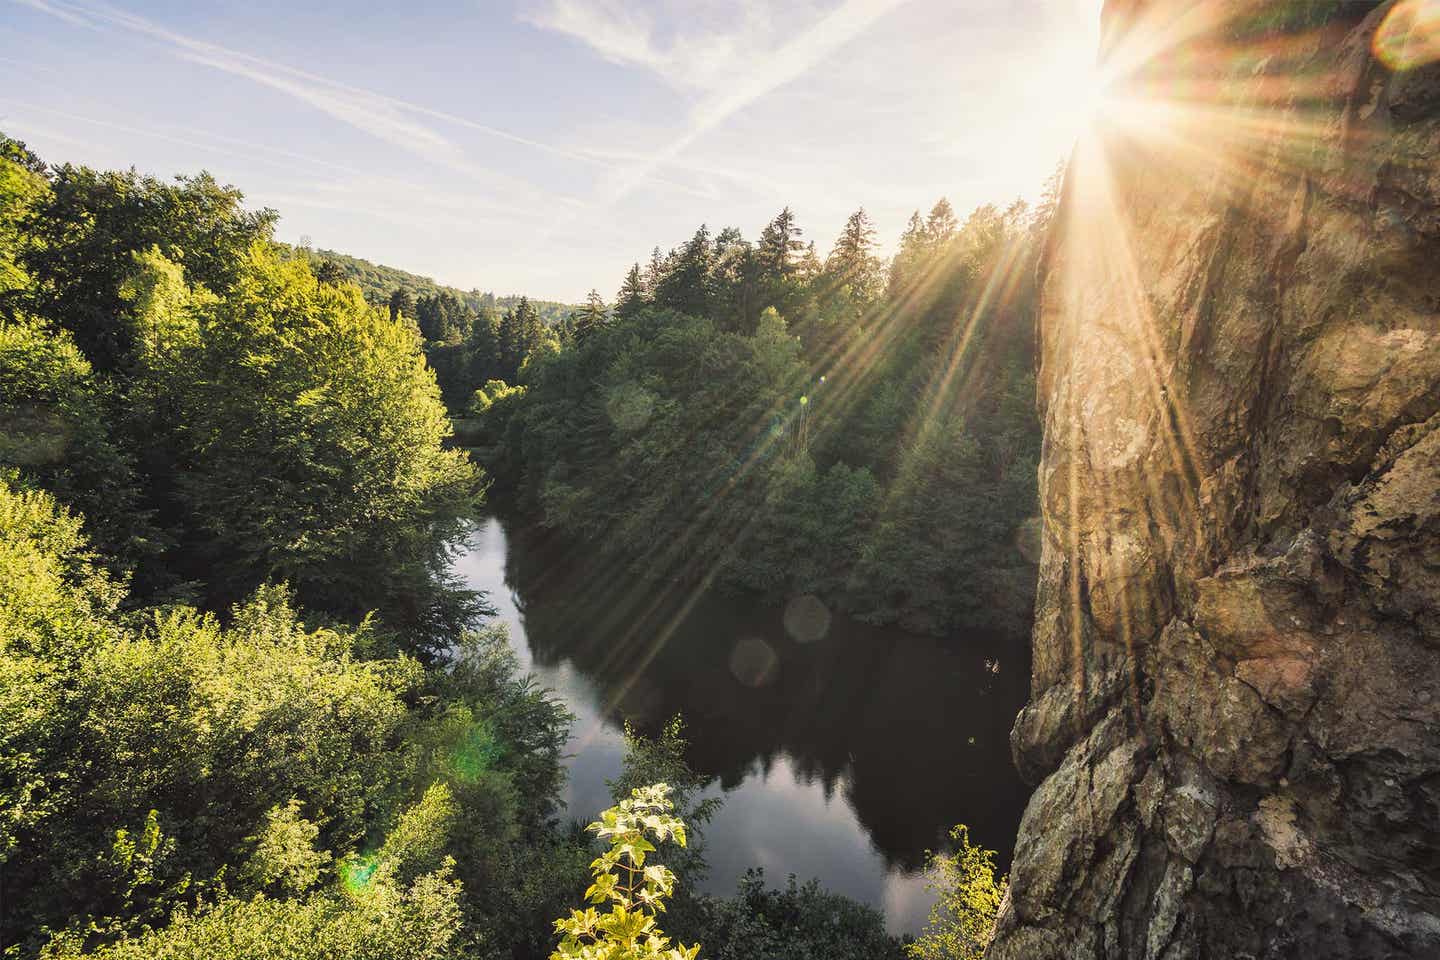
(220, 418)
(470, 337)
(748, 414)
(245, 708)
(379, 283)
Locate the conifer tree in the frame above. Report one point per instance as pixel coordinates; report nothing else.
(483, 347)
(632, 297)
(781, 255)
(685, 286)
(428, 318)
(1049, 199)
(402, 304)
(328, 271)
(914, 243)
(591, 317)
(808, 269)
(734, 281)
(655, 270)
(942, 223)
(509, 344)
(780, 246)
(852, 276)
(521, 331)
(852, 261)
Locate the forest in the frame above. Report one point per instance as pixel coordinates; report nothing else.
(380, 283)
(250, 710)
(848, 428)
(462, 329)
(1050, 573)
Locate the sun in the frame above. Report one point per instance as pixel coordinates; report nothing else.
(1066, 83)
(1090, 97)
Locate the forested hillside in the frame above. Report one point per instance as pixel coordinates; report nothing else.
(752, 415)
(246, 709)
(222, 419)
(225, 518)
(469, 338)
(378, 283)
(742, 609)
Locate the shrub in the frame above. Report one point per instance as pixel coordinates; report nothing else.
(636, 892)
(963, 918)
(797, 922)
(416, 923)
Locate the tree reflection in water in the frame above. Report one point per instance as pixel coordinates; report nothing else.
(912, 732)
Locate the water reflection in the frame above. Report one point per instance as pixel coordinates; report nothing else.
(843, 752)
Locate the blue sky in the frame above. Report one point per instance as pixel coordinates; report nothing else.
(541, 146)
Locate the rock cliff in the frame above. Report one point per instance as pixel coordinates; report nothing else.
(1235, 713)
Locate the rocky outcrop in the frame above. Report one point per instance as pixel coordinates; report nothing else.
(1235, 713)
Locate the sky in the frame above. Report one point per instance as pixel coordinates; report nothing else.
(542, 146)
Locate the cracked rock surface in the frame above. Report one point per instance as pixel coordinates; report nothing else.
(1235, 713)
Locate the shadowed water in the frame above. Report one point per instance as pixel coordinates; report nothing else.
(843, 757)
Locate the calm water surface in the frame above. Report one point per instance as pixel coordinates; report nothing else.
(842, 751)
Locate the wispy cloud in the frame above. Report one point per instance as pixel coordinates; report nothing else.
(195, 139)
(614, 30)
(345, 188)
(746, 105)
(727, 51)
(375, 114)
(793, 59)
(26, 66)
(388, 118)
(391, 119)
(708, 41)
(55, 10)
(764, 67)
(406, 203)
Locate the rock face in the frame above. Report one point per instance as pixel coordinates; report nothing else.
(1235, 713)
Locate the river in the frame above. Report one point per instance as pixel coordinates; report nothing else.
(842, 751)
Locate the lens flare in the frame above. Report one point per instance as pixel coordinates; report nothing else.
(1226, 99)
(358, 873)
(1409, 37)
(1209, 106)
(476, 752)
(753, 662)
(807, 619)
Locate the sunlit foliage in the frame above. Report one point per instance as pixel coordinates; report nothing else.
(164, 760)
(79, 238)
(54, 410)
(795, 922)
(421, 922)
(634, 891)
(244, 711)
(313, 432)
(162, 716)
(492, 393)
(22, 185)
(968, 898)
(662, 759)
(222, 418)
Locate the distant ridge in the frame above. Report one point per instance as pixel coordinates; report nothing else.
(378, 281)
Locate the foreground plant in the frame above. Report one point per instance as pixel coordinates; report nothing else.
(636, 892)
(962, 921)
